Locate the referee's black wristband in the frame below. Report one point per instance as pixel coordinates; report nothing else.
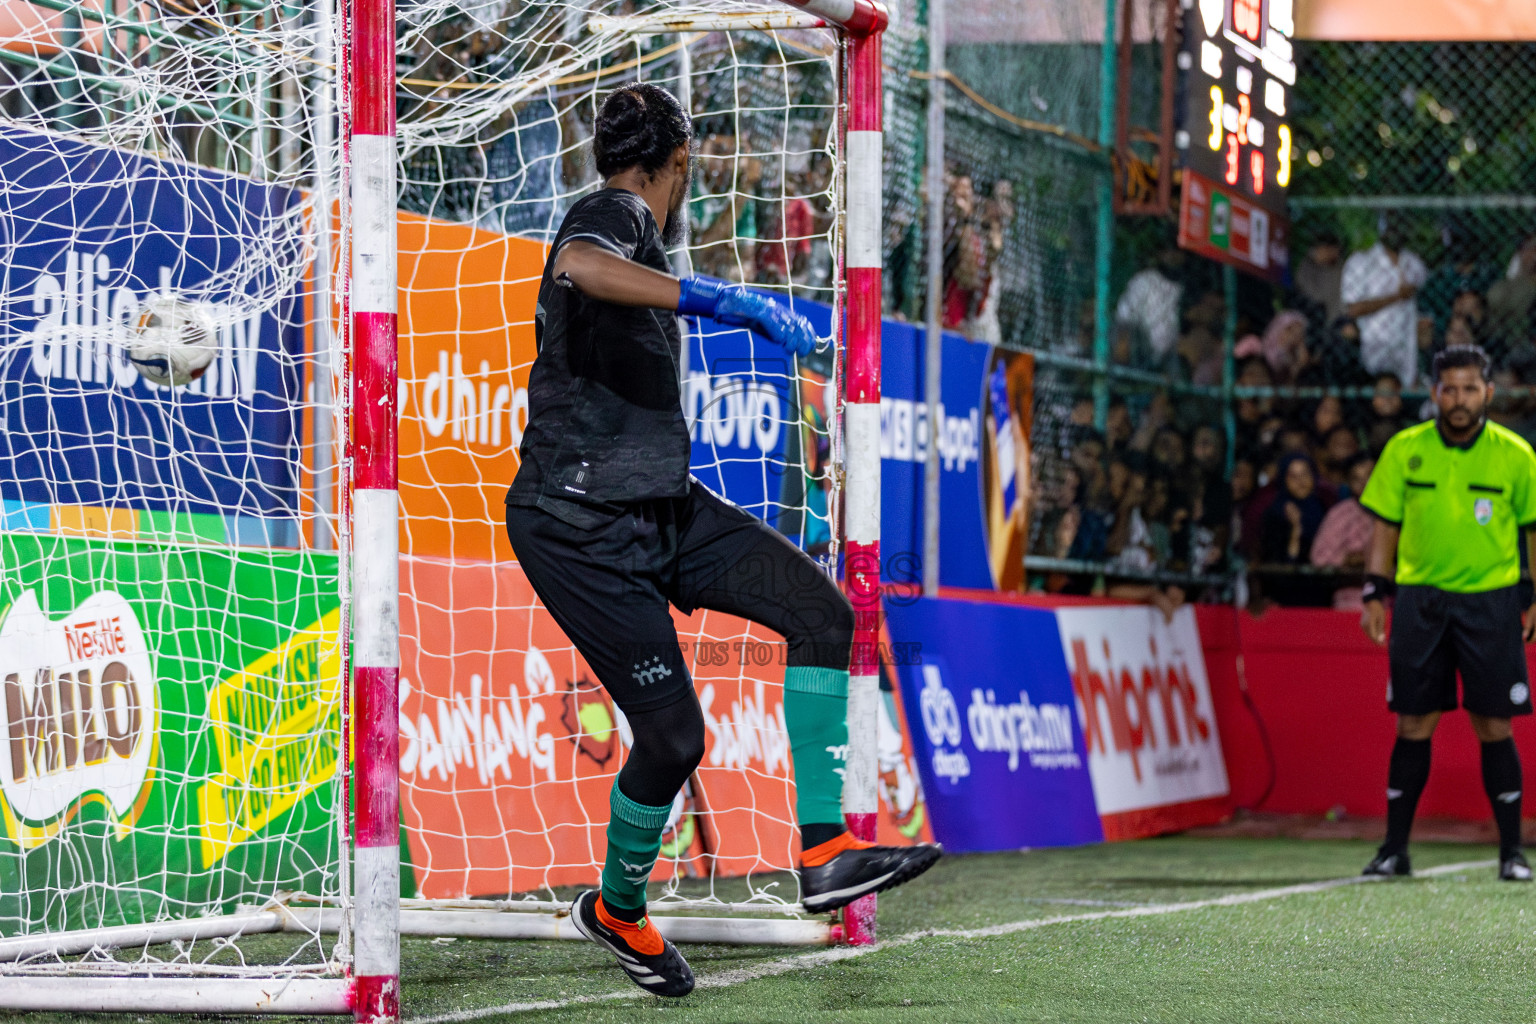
(1376, 588)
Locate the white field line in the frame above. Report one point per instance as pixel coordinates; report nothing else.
(1063, 901)
(821, 957)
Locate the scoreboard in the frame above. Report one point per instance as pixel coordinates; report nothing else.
(1239, 71)
(1235, 134)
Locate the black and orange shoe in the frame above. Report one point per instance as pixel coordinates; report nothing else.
(650, 960)
(835, 873)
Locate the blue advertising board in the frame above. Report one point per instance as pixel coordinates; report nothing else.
(87, 234)
(751, 441)
(904, 452)
(993, 725)
(747, 424)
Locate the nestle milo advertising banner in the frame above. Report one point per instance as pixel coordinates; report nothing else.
(169, 732)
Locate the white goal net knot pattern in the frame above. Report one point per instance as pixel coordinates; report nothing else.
(174, 600)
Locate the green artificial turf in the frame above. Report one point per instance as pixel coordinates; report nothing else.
(1453, 947)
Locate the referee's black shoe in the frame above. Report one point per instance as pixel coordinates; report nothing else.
(1387, 865)
(1514, 868)
(650, 960)
(839, 871)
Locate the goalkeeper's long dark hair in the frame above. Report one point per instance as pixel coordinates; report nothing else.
(639, 125)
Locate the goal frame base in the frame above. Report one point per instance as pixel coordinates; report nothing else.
(159, 994)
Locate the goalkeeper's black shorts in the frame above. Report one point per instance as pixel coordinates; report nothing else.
(1436, 632)
(608, 585)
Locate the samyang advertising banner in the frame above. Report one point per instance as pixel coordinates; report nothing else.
(993, 725)
(1144, 701)
(509, 746)
(87, 234)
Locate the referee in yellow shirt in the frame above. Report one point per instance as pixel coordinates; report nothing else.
(1450, 498)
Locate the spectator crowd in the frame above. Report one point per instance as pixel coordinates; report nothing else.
(1334, 366)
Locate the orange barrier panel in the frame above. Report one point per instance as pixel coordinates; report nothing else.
(509, 747)
(466, 346)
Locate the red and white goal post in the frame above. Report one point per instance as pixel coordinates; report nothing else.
(279, 855)
(857, 294)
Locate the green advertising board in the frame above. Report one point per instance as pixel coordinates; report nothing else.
(172, 729)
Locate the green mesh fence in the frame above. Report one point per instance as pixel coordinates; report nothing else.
(1129, 449)
(1412, 209)
(1433, 145)
(1430, 146)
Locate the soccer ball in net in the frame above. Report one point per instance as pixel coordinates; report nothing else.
(172, 341)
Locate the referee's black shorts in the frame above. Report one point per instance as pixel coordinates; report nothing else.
(1436, 632)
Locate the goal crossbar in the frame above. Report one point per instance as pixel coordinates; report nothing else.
(714, 21)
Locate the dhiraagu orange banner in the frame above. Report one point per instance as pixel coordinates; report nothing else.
(466, 346)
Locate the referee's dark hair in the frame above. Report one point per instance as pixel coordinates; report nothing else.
(1461, 355)
(639, 125)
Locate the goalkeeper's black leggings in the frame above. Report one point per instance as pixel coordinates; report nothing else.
(609, 586)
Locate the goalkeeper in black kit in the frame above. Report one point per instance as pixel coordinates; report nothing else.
(611, 530)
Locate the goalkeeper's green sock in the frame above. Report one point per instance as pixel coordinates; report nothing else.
(816, 712)
(634, 840)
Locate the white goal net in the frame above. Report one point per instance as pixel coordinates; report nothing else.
(171, 613)
(173, 560)
(509, 746)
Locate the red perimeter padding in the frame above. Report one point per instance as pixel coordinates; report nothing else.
(1319, 687)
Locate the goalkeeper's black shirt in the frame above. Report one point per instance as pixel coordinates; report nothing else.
(605, 420)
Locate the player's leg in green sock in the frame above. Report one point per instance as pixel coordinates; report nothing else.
(775, 584)
(668, 743)
(816, 712)
(634, 841)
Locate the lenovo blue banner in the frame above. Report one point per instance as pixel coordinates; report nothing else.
(993, 722)
(755, 429)
(88, 233)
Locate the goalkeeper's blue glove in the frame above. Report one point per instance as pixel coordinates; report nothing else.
(735, 306)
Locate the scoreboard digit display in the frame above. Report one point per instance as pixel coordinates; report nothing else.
(1235, 136)
(1239, 71)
